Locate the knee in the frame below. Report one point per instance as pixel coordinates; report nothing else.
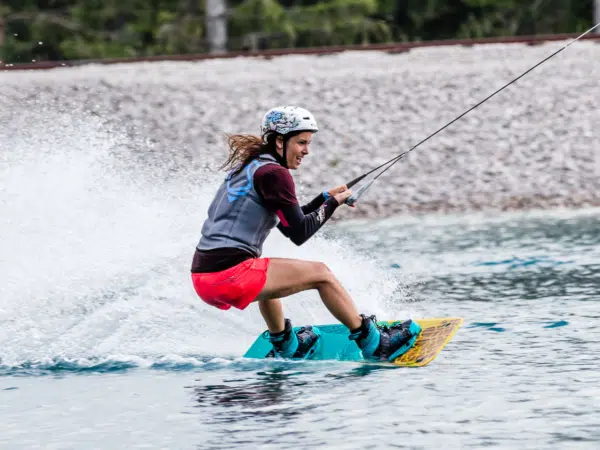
(324, 274)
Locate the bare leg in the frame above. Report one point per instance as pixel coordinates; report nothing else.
(272, 312)
(286, 277)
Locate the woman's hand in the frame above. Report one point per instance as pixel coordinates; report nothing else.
(337, 190)
(342, 195)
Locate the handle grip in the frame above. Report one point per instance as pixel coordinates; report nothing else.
(351, 201)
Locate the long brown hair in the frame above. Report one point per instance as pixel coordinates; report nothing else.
(243, 148)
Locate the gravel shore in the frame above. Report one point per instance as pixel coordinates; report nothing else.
(533, 146)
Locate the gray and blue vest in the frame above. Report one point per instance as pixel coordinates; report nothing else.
(237, 216)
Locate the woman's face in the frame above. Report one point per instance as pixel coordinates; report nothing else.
(297, 148)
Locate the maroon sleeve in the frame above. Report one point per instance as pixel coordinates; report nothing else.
(276, 186)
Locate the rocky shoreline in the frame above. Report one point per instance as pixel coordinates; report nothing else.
(533, 146)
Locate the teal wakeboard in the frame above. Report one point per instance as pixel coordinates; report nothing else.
(334, 343)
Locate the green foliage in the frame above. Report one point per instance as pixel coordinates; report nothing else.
(338, 22)
(87, 29)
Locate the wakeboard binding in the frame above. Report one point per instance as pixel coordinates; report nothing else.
(387, 341)
(299, 344)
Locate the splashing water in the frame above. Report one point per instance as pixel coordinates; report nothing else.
(97, 243)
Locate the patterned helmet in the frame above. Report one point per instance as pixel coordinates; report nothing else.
(287, 119)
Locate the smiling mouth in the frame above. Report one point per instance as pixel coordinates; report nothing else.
(299, 160)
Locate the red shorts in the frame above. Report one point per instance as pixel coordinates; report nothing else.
(237, 286)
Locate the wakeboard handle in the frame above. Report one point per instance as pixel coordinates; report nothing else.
(350, 201)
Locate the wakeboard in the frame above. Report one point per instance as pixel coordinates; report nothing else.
(335, 345)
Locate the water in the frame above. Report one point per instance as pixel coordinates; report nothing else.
(104, 345)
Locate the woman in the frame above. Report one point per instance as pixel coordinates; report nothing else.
(257, 195)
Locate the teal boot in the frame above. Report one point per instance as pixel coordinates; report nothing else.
(301, 344)
(384, 342)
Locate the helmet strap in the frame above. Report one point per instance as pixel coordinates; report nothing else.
(285, 164)
(273, 152)
(282, 159)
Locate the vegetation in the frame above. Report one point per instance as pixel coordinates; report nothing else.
(35, 30)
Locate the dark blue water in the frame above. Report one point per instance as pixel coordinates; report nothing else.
(521, 373)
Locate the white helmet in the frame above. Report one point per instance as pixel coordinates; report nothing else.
(287, 119)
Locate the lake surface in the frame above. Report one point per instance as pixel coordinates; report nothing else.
(104, 345)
